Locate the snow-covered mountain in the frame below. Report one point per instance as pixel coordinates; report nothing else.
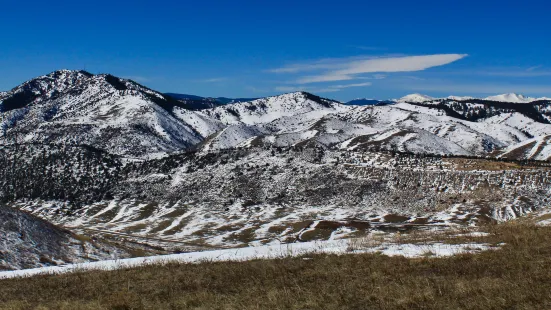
(125, 118)
(277, 169)
(262, 111)
(511, 97)
(460, 98)
(416, 98)
(101, 110)
(296, 119)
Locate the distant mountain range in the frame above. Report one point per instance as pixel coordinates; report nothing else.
(510, 97)
(365, 101)
(198, 103)
(125, 118)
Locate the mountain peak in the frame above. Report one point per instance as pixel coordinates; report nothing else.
(296, 94)
(460, 98)
(511, 97)
(65, 73)
(416, 98)
(300, 96)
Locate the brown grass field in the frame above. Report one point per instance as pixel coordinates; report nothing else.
(517, 276)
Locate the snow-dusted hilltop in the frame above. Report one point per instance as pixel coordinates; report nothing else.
(416, 98)
(511, 97)
(460, 98)
(126, 118)
(101, 110)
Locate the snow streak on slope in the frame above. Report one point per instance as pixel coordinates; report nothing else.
(536, 149)
(260, 252)
(259, 196)
(29, 242)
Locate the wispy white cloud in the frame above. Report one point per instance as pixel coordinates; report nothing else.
(329, 70)
(213, 80)
(325, 77)
(289, 89)
(379, 76)
(320, 64)
(351, 85)
(399, 64)
(325, 64)
(534, 68)
(327, 89)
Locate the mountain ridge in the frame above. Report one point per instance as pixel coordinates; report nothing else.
(129, 119)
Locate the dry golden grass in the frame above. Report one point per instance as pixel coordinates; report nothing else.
(465, 164)
(518, 276)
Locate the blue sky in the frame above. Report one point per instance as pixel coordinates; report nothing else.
(337, 49)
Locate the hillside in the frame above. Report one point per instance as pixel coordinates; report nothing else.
(125, 118)
(29, 242)
(515, 274)
(109, 158)
(76, 107)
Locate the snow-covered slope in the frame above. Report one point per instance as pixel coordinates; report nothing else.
(420, 127)
(231, 125)
(265, 110)
(335, 247)
(100, 110)
(125, 118)
(438, 133)
(460, 98)
(535, 149)
(416, 98)
(30, 242)
(511, 97)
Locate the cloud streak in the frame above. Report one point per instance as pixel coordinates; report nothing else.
(327, 89)
(213, 80)
(351, 85)
(330, 70)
